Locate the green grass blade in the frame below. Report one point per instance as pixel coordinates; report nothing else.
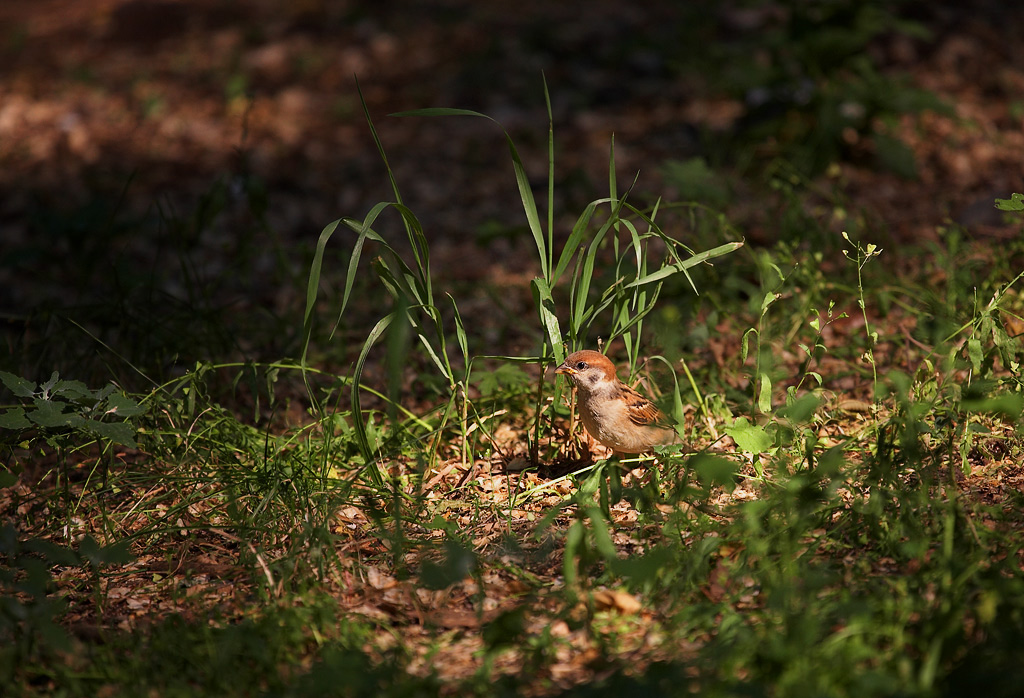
(581, 290)
(579, 298)
(460, 333)
(380, 146)
(530, 207)
(685, 264)
(358, 420)
(397, 357)
(420, 249)
(548, 318)
(638, 250)
(439, 355)
(551, 179)
(364, 231)
(441, 111)
(612, 183)
(575, 240)
(677, 399)
(392, 270)
(764, 395)
(313, 284)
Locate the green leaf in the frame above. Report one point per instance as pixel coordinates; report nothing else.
(548, 319)
(974, 353)
(530, 207)
(802, 409)
(313, 284)
(506, 630)
(574, 538)
(612, 185)
(124, 406)
(46, 387)
(48, 413)
(99, 556)
(751, 438)
(602, 537)
(53, 635)
(14, 419)
(1009, 405)
(505, 377)
(764, 396)
(671, 269)
(644, 569)
(460, 333)
(575, 240)
(440, 111)
(1014, 203)
(358, 420)
(117, 432)
(459, 562)
(52, 553)
(439, 523)
(72, 390)
(715, 471)
(579, 296)
(378, 143)
(18, 385)
(744, 345)
(522, 180)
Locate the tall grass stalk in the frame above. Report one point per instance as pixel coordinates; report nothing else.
(862, 255)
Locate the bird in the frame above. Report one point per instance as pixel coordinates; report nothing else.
(613, 413)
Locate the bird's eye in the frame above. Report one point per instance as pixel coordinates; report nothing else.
(581, 365)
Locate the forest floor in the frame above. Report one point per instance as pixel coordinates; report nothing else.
(135, 135)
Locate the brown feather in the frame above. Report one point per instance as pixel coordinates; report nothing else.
(642, 411)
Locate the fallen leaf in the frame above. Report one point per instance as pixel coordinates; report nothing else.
(606, 599)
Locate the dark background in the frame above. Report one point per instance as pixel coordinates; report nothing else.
(166, 167)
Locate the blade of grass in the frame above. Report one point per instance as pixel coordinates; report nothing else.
(693, 261)
(548, 317)
(358, 420)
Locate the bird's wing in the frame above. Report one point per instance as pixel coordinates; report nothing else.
(642, 411)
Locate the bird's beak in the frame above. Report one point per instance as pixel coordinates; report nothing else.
(565, 369)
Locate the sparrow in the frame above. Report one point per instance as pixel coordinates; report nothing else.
(613, 413)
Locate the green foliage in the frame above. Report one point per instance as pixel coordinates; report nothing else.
(56, 408)
(29, 609)
(629, 295)
(267, 655)
(1014, 203)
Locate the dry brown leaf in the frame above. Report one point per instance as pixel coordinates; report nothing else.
(377, 579)
(854, 406)
(607, 599)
